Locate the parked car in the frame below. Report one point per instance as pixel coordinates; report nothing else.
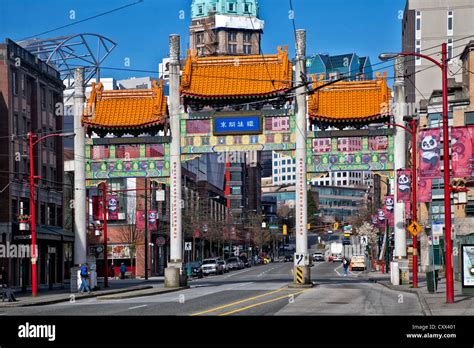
(235, 263)
(288, 258)
(358, 263)
(195, 269)
(246, 261)
(226, 266)
(318, 256)
(214, 265)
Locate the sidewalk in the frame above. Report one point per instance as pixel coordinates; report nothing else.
(116, 286)
(432, 303)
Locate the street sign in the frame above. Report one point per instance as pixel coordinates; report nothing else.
(301, 259)
(363, 240)
(414, 228)
(188, 246)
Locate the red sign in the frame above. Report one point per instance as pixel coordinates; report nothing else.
(461, 150)
(152, 220)
(424, 190)
(429, 153)
(403, 185)
(140, 219)
(97, 213)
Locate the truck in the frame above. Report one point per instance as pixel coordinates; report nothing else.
(335, 252)
(358, 262)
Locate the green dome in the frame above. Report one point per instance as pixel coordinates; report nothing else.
(202, 8)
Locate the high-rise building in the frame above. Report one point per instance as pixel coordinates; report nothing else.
(225, 27)
(426, 25)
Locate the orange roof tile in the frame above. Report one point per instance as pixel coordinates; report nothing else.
(236, 76)
(357, 101)
(125, 108)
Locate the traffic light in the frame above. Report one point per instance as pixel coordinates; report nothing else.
(335, 226)
(309, 227)
(285, 230)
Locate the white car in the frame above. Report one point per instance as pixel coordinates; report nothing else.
(213, 266)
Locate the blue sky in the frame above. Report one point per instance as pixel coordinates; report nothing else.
(141, 32)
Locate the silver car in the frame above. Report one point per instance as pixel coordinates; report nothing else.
(214, 266)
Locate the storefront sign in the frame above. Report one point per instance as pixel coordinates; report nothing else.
(228, 124)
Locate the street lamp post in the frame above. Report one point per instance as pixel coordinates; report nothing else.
(32, 177)
(443, 65)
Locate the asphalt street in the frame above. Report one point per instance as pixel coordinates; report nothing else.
(259, 290)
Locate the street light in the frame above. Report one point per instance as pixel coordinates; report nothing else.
(32, 177)
(443, 65)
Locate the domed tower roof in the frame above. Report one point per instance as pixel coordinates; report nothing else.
(203, 8)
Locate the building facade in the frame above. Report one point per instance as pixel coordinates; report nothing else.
(225, 27)
(29, 92)
(426, 25)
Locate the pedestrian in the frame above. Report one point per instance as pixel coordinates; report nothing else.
(123, 270)
(112, 271)
(345, 264)
(84, 278)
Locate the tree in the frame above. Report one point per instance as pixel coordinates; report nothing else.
(131, 235)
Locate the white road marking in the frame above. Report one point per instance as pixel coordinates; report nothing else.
(138, 306)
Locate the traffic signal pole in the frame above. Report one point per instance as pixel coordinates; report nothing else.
(414, 184)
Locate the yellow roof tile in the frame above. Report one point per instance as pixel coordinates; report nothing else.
(125, 108)
(236, 76)
(355, 101)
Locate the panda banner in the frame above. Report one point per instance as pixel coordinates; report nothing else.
(403, 185)
(389, 210)
(429, 153)
(113, 207)
(461, 147)
(152, 220)
(381, 218)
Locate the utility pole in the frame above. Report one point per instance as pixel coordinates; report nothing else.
(173, 276)
(414, 181)
(104, 231)
(400, 251)
(80, 218)
(303, 269)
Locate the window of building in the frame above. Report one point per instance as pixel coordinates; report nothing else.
(450, 23)
(235, 176)
(247, 37)
(231, 6)
(294, 177)
(283, 170)
(450, 48)
(15, 82)
(200, 9)
(275, 179)
(418, 25)
(199, 38)
(283, 177)
(247, 7)
(418, 50)
(275, 171)
(247, 49)
(236, 190)
(232, 48)
(232, 36)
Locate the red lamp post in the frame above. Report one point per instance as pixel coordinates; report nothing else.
(32, 177)
(443, 65)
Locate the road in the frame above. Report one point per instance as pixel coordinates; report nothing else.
(260, 290)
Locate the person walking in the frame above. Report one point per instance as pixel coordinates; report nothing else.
(123, 270)
(84, 278)
(345, 265)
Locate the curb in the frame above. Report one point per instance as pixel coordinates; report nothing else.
(158, 291)
(67, 297)
(424, 304)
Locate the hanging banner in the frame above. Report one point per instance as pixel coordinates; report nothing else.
(97, 213)
(113, 207)
(140, 219)
(381, 218)
(374, 220)
(389, 210)
(152, 220)
(461, 151)
(429, 153)
(196, 233)
(424, 190)
(403, 185)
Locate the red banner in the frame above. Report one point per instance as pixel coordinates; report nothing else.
(97, 213)
(113, 206)
(429, 153)
(403, 185)
(140, 219)
(461, 151)
(152, 220)
(389, 209)
(424, 190)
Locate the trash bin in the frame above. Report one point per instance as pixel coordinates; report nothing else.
(432, 281)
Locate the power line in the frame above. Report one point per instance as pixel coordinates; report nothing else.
(82, 20)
